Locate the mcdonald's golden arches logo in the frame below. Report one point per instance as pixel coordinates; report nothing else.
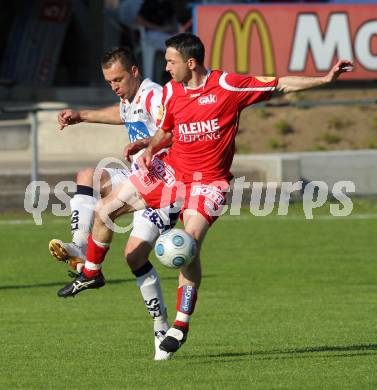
(242, 35)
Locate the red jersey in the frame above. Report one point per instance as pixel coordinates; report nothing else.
(204, 121)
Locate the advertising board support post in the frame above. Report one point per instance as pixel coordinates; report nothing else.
(34, 161)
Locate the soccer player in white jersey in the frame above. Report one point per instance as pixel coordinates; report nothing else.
(139, 106)
(199, 118)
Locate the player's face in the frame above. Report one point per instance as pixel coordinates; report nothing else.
(177, 66)
(124, 84)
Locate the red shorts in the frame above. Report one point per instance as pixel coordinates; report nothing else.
(162, 186)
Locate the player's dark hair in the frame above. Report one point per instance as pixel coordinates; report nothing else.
(122, 54)
(188, 45)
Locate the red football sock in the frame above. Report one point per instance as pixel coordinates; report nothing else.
(186, 300)
(95, 255)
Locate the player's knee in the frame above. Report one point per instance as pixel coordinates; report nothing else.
(197, 229)
(105, 184)
(85, 177)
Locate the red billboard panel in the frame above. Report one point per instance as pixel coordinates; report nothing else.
(288, 39)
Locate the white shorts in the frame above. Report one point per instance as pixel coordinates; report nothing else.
(149, 223)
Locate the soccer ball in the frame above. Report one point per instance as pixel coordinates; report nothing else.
(175, 248)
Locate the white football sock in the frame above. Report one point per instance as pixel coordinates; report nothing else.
(82, 215)
(151, 292)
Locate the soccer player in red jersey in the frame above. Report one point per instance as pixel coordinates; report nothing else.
(199, 119)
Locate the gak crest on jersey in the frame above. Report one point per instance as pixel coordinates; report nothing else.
(209, 99)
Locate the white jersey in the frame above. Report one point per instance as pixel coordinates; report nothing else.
(139, 118)
(140, 115)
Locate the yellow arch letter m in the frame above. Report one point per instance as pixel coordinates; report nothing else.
(242, 35)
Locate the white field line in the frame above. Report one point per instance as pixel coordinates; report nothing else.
(59, 221)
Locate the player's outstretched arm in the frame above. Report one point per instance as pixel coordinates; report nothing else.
(288, 84)
(108, 115)
(160, 140)
(68, 117)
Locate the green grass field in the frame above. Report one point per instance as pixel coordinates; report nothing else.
(285, 303)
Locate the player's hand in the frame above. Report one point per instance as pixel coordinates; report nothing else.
(131, 149)
(340, 67)
(68, 117)
(145, 160)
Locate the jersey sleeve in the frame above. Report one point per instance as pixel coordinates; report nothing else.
(122, 110)
(165, 120)
(248, 89)
(153, 103)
